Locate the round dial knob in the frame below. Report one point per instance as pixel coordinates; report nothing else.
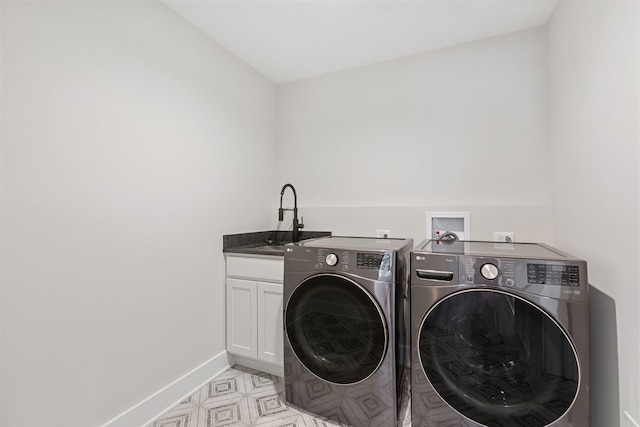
(489, 271)
(332, 259)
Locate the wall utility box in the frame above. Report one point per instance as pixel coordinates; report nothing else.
(453, 222)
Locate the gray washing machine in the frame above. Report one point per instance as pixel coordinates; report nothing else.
(346, 344)
(500, 335)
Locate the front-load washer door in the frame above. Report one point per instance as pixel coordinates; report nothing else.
(498, 359)
(336, 329)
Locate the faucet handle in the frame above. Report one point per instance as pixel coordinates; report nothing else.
(301, 224)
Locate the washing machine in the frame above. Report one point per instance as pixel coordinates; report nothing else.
(500, 335)
(345, 315)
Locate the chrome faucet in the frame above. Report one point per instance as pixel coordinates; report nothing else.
(296, 225)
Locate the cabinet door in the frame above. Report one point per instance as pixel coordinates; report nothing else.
(270, 332)
(242, 335)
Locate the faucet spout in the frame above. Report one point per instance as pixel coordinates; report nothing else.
(296, 225)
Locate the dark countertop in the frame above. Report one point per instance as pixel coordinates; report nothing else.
(264, 242)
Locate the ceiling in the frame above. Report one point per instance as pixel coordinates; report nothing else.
(288, 40)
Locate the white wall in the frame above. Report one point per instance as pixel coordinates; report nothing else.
(530, 223)
(461, 128)
(130, 143)
(593, 92)
(1, 198)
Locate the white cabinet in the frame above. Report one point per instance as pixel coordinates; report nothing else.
(242, 315)
(270, 331)
(254, 309)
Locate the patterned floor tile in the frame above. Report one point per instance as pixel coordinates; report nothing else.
(280, 420)
(269, 405)
(314, 421)
(181, 420)
(228, 389)
(228, 414)
(245, 397)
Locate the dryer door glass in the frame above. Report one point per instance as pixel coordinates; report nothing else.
(498, 359)
(336, 329)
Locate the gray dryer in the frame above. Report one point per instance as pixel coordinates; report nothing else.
(345, 301)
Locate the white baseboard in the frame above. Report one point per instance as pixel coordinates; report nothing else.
(629, 421)
(166, 398)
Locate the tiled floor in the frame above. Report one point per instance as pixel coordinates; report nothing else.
(241, 397)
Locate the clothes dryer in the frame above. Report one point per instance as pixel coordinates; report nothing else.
(346, 344)
(500, 335)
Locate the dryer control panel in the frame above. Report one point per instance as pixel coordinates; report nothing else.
(375, 265)
(373, 260)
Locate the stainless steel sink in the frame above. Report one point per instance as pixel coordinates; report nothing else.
(279, 248)
(271, 242)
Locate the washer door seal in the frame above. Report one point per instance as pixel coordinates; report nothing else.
(336, 329)
(498, 359)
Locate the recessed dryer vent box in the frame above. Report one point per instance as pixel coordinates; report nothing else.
(454, 222)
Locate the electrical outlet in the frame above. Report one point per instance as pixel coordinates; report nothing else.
(504, 236)
(383, 234)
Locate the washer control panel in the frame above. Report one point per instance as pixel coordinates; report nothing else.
(563, 279)
(557, 275)
(511, 272)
